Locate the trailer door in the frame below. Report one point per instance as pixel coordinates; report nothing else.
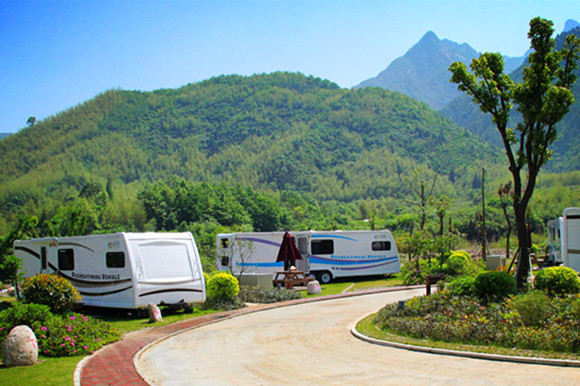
(302, 244)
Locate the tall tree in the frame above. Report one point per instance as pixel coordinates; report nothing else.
(543, 99)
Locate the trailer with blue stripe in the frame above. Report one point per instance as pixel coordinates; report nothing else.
(325, 254)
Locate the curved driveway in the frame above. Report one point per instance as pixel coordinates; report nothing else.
(311, 343)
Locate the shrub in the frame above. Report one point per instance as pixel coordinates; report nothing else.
(494, 285)
(74, 334)
(266, 295)
(558, 281)
(222, 286)
(458, 264)
(51, 290)
(205, 278)
(533, 307)
(461, 286)
(31, 315)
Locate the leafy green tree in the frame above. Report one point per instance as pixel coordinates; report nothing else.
(543, 99)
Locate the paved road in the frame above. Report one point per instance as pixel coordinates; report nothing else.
(311, 344)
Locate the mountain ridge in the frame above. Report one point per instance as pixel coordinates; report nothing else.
(422, 72)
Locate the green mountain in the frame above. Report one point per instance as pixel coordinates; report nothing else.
(281, 131)
(566, 152)
(422, 73)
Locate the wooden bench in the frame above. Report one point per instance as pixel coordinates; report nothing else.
(290, 279)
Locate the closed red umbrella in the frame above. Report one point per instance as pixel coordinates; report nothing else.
(288, 252)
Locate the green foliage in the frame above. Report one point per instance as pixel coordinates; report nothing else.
(449, 318)
(51, 290)
(266, 295)
(461, 286)
(533, 307)
(58, 335)
(458, 264)
(558, 281)
(74, 334)
(10, 266)
(416, 271)
(222, 286)
(494, 286)
(31, 315)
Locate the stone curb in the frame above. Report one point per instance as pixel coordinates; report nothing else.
(466, 354)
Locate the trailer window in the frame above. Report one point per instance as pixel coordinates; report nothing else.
(115, 259)
(66, 259)
(322, 247)
(381, 246)
(225, 243)
(43, 261)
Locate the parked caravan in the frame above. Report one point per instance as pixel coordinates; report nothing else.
(121, 270)
(564, 239)
(327, 255)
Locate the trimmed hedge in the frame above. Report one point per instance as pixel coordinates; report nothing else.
(493, 286)
(558, 281)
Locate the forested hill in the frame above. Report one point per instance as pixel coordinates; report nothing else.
(282, 131)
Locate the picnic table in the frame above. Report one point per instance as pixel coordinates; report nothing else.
(290, 279)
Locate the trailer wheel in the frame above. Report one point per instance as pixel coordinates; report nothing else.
(324, 277)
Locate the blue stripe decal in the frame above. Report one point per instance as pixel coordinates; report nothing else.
(261, 241)
(262, 265)
(332, 237)
(323, 260)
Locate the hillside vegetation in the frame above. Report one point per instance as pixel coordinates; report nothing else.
(265, 152)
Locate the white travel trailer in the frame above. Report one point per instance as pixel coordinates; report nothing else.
(327, 255)
(564, 239)
(121, 270)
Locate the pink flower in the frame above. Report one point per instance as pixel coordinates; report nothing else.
(72, 318)
(43, 328)
(86, 347)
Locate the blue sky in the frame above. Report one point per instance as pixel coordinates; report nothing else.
(58, 54)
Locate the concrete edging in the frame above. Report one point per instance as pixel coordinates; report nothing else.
(466, 354)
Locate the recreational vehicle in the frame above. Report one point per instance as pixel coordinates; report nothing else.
(121, 270)
(327, 255)
(564, 239)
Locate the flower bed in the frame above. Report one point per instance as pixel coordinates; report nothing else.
(465, 320)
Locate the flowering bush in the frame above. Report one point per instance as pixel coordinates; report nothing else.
(51, 290)
(74, 334)
(58, 335)
(558, 281)
(449, 318)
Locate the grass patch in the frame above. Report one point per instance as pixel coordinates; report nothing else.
(368, 327)
(49, 371)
